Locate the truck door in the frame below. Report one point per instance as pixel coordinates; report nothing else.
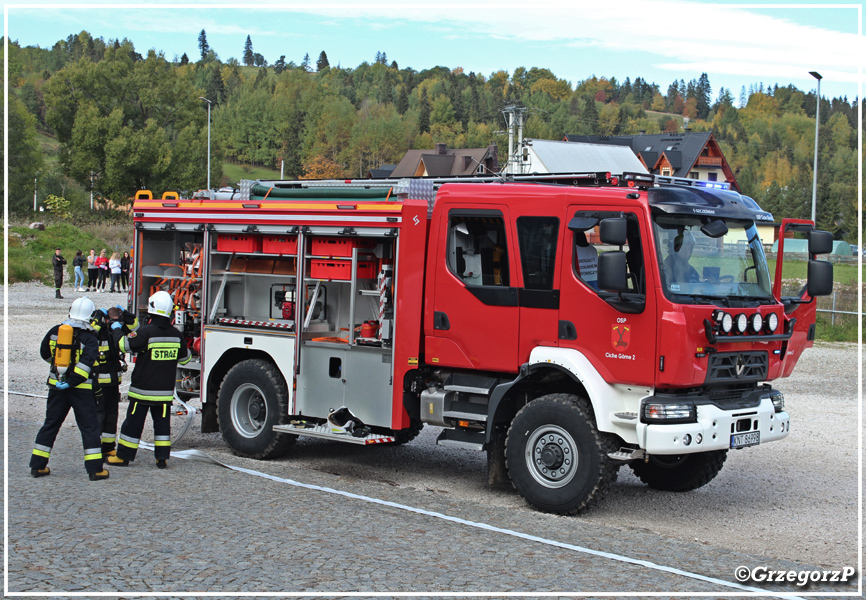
(539, 239)
(475, 302)
(618, 340)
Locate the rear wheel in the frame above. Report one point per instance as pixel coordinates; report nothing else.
(680, 473)
(253, 398)
(556, 457)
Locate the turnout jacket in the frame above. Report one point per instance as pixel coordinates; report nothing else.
(159, 348)
(109, 361)
(58, 262)
(85, 350)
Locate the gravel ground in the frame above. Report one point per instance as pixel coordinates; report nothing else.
(794, 500)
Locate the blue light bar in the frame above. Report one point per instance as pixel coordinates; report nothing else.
(713, 185)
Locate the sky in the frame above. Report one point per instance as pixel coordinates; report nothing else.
(737, 44)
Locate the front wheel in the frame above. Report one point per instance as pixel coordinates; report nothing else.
(680, 473)
(252, 399)
(555, 456)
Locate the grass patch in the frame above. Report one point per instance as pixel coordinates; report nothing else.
(235, 173)
(30, 250)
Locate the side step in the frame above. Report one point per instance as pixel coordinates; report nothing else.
(461, 438)
(323, 431)
(628, 454)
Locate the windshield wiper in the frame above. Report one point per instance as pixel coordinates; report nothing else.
(724, 300)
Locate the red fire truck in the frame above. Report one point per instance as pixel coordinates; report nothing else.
(568, 325)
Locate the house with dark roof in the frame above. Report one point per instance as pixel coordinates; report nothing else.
(689, 154)
(383, 172)
(445, 162)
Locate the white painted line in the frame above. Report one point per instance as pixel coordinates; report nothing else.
(198, 455)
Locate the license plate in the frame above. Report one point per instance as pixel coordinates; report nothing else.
(741, 440)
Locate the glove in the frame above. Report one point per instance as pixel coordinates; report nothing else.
(116, 325)
(61, 385)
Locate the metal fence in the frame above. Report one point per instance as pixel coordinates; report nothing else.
(841, 306)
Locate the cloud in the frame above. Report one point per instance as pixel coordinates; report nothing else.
(725, 39)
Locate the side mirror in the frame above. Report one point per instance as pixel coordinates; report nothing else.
(613, 232)
(820, 242)
(612, 270)
(820, 273)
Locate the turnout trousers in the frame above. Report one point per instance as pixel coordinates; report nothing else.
(133, 425)
(107, 410)
(84, 407)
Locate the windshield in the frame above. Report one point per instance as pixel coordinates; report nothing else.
(697, 268)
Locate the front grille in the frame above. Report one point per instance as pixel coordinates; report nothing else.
(736, 367)
(731, 399)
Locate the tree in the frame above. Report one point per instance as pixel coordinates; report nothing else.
(25, 155)
(703, 92)
(123, 121)
(322, 167)
(280, 65)
(202, 44)
(184, 60)
(424, 116)
(306, 62)
(249, 55)
(322, 62)
(259, 60)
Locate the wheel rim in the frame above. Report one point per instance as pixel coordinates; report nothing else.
(551, 456)
(249, 410)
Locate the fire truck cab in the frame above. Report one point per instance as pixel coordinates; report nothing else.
(567, 327)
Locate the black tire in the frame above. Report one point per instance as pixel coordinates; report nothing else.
(253, 397)
(547, 433)
(404, 436)
(680, 473)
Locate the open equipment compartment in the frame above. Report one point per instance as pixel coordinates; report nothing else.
(335, 365)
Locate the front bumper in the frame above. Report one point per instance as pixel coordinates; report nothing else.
(714, 429)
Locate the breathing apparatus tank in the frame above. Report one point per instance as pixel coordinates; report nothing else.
(63, 349)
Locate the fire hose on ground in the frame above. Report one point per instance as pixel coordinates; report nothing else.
(183, 409)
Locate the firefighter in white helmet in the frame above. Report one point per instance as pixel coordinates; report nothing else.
(72, 349)
(159, 347)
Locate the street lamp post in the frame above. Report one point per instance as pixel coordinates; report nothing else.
(35, 187)
(208, 144)
(817, 76)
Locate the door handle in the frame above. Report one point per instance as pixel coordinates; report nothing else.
(440, 321)
(567, 330)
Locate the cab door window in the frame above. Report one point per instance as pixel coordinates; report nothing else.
(537, 237)
(477, 249)
(587, 247)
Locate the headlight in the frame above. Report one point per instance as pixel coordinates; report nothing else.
(727, 322)
(778, 401)
(663, 412)
(772, 322)
(756, 322)
(741, 322)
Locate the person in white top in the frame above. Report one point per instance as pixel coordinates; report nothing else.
(114, 268)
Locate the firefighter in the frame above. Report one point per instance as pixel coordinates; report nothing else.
(159, 348)
(71, 348)
(676, 265)
(58, 262)
(111, 367)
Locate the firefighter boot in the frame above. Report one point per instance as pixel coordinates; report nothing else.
(57, 294)
(103, 474)
(40, 472)
(117, 462)
(161, 464)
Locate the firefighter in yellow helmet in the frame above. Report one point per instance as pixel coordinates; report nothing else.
(160, 348)
(72, 349)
